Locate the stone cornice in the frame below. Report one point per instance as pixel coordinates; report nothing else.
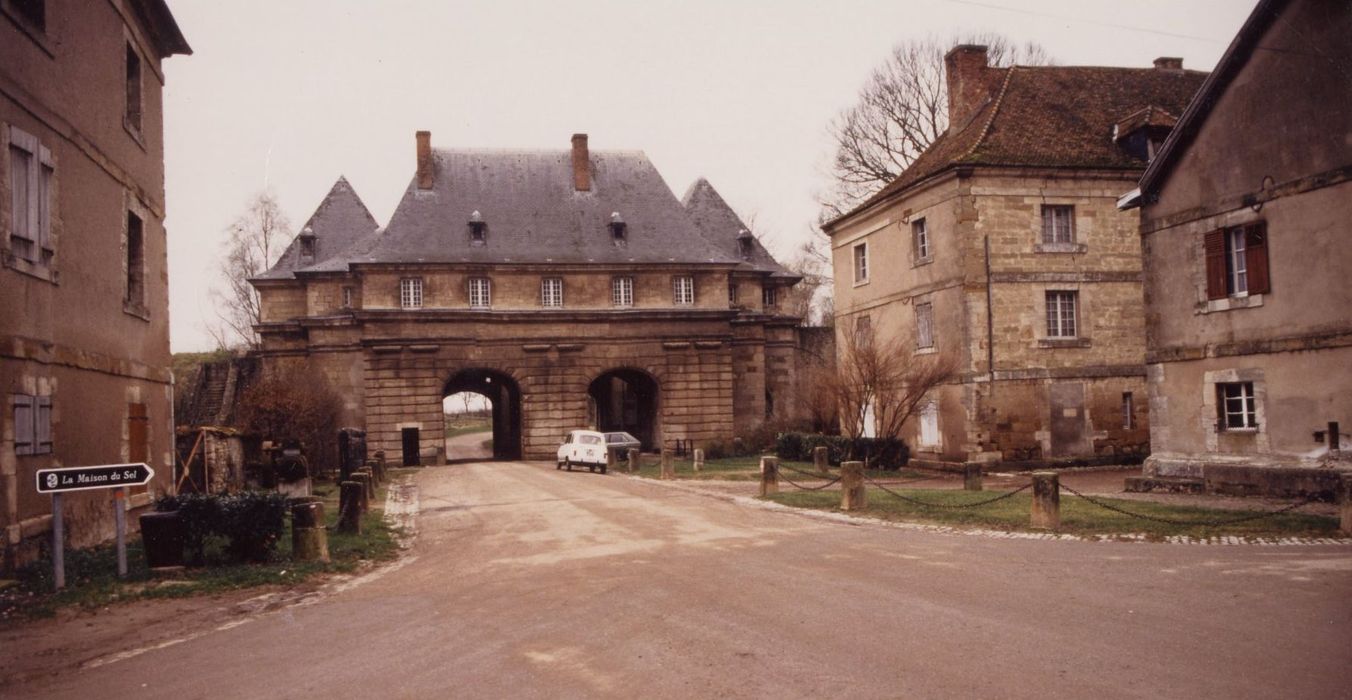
(47, 353)
(1337, 338)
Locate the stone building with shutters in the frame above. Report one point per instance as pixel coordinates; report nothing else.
(1244, 218)
(570, 287)
(1001, 245)
(84, 325)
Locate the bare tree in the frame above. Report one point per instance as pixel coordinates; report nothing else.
(902, 108)
(294, 401)
(885, 378)
(254, 242)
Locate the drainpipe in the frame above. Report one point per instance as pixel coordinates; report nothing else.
(990, 317)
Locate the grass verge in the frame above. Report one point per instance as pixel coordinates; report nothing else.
(747, 469)
(1077, 515)
(92, 582)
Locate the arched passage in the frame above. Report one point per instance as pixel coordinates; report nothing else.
(504, 394)
(627, 399)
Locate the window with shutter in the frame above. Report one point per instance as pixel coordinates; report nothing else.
(138, 433)
(1256, 257)
(1213, 244)
(42, 425)
(23, 424)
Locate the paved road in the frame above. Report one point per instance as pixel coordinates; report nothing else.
(529, 582)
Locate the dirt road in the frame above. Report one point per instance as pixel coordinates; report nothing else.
(529, 582)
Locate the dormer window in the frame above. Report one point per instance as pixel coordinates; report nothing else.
(619, 231)
(744, 246)
(307, 244)
(478, 229)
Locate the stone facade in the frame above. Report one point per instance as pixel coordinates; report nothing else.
(1249, 342)
(84, 335)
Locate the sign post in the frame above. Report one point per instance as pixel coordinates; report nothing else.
(104, 476)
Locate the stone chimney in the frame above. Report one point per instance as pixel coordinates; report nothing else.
(581, 164)
(1169, 63)
(424, 160)
(965, 66)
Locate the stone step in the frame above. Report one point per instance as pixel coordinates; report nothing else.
(1171, 484)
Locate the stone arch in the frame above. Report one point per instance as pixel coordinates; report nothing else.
(628, 399)
(504, 393)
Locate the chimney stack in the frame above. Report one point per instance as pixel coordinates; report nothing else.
(965, 68)
(581, 164)
(424, 160)
(1169, 63)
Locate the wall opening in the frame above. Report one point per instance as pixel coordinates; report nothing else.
(501, 396)
(627, 400)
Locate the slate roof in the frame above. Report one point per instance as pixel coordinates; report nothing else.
(534, 215)
(341, 224)
(1053, 116)
(722, 228)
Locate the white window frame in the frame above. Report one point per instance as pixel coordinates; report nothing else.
(622, 291)
(410, 293)
(1062, 308)
(346, 296)
(860, 262)
(920, 234)
(480, 293)
(1128, 411)
(929, 436)
(551, 292)
(770, 297)
(924, 325)
(1058, 224)
(30, 237)
(683, 290)
(1237, 262)
(1238, 406)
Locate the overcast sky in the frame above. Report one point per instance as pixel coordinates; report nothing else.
(289, 95)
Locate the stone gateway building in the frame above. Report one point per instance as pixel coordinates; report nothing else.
(1002, 246)
(570, 287)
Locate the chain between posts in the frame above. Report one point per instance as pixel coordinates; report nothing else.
(947, 506)
(1205, 523)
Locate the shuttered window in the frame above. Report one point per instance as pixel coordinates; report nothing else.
(138, 433)
(32, 424)
(924, 325)
(1237, 261)
(31, 171)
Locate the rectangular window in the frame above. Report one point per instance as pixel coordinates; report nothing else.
(622, 291)
(347, 297)
(411, 293)
(32, 424)
(136, 261)
(31, 171)
(920, 237)
(1236, 261)
(863, 331)
(924, 325)
(1061, 310)
(683, 290)
(861, 263)
(133, 88)
(479, 293)
(551, 292)
(1128, 411)
(1237, 407)
(1058, 223)
(732, 294)
(138, 433)
(770, 297)
(929, 425)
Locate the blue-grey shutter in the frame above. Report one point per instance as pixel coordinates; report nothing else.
(42, 426)
(23, 424)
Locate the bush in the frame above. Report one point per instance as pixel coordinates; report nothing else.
(251, 522)
(885, 453)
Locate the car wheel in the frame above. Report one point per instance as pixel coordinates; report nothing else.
(568, 463)
(603, 470)
(558, 465)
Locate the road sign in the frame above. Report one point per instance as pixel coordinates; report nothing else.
(104, 476)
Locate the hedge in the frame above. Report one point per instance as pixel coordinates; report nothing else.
(885, 453)
(251, 522)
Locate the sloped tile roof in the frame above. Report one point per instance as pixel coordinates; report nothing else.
(340, 223)
(721, 227)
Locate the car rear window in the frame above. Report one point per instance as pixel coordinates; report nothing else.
(589, 439)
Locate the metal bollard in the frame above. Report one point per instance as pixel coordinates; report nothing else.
(853, 495)
(1046, 501)
(769, 467)
(699, 460)
(819, 459)
(971, 477)
(668, 470)
(1345, 524)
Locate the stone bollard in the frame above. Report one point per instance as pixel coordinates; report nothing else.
(769, 468)
(1046, 501)
(634, 457)
(668, 470)
(612, 459)
(1345, 525)
(971, 477)
(309, 539)
(372, 482)
(819, 459)
(852, 493)
(699, 460)
(349, 514)
(364, 498)
(380, 457)
(376, 470)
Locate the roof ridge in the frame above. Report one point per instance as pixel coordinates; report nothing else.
(995, 110)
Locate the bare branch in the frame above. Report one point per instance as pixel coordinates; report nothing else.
(253, 243)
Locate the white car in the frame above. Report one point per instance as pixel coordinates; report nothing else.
(583, 448)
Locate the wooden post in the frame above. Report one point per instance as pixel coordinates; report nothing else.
(971, 477)
(769, 467)
(668, 471)
(1046, 500)
(699, 460)
(634, 457)
(853, 496)
(309, 539)
(1345, 524)
(349, 518)
(819, 459)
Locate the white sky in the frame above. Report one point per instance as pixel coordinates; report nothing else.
(290, 95)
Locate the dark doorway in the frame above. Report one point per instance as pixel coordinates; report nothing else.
(626, 399)
(1068, 438)
(504, 395)
(411, 447)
